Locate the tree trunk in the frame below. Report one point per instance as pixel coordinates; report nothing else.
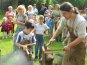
(14, 3)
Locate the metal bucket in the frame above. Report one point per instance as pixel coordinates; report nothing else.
(58, 59)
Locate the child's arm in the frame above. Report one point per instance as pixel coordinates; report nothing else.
(18, 42)
(18, 22)
(19, 45)
(46, 27)
(31, 44)
(22, 46)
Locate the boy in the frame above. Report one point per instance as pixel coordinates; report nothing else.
(26, 38)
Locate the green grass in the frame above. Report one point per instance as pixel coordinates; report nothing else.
(6, 46)
(1, 15)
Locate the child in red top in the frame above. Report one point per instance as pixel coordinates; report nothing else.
(4, 27)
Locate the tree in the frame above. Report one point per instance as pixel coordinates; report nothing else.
(14, 3)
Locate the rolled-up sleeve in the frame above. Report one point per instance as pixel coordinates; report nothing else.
(81, 29)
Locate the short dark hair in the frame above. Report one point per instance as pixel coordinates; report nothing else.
(52, 17)
(29, 25)
(43, 4)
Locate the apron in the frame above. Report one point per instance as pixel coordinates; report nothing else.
(76, 55)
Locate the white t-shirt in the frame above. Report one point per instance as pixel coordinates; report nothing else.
(23, 36)
(40, 29)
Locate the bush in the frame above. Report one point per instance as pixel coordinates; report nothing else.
(1, 14)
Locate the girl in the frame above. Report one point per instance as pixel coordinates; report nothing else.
(4, 27)
(30, 12)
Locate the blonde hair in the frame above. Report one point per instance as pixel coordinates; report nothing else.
(30, 6)
(41, 17)
(21, 7)
(10, 7)
(50, 6)
(58, 6)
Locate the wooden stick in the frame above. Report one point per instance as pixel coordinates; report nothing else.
(47, 44)
(27, 51)
(56, 49)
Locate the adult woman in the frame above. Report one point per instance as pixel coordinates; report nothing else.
(75, 23)
(21, 18)
(10, 12)
(10, 16)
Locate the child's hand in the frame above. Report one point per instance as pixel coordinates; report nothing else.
(24, 47)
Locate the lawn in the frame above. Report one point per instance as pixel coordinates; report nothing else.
(6, 45)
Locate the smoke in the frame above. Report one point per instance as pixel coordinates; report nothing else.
(16, 58)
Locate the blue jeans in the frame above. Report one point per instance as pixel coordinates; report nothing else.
(39, 44)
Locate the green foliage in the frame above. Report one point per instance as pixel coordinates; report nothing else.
(1, 14)
(81, 4)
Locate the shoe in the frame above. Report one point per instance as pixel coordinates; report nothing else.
(35, 58)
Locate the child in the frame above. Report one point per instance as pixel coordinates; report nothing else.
(30, 12)
(26, 35)
(4, 27)
(51, 23)
(40, 28)
(10, 25)
(34, 18)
